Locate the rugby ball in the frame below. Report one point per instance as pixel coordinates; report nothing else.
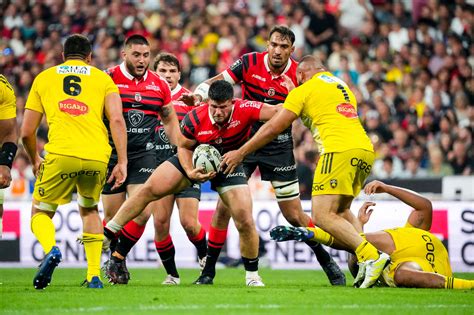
(207, 157)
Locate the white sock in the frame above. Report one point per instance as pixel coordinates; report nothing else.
(251, 274)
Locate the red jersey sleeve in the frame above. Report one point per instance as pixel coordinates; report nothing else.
(251, 109)
(237, 69)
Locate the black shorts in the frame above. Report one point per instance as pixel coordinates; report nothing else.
(193, 191)
(278, 166)
(138, 171)
(221, 180)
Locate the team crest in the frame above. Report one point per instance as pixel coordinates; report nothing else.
(138, 97)
(333, 183)
(271, 92)
(135, 117)
(219, 140)
(41, 191)
(163, 136)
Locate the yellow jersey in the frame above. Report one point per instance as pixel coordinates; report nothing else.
(72, 96)
(7, 99)
(329, 105)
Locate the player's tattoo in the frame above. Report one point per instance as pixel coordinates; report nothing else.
(165, 111)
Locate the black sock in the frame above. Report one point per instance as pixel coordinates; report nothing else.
(124, 245)
(212, 256)
(322, 255)
(167, 252)
(250, 264)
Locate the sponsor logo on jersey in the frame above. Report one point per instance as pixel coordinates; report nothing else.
(149, 146)
(138, 97)
(361, 164)
(146, 170)
(233, 124)
(64, 69)
(205, 132)
(256, 76)
(283, 137)
(285, 168)
(347, 110)
(238, 174)
(81, 172)
(73, 107)
(318, 187)
(250, 104)
(152, 87)
(271, 91)
(135, 117)
(235, 65)
(123, 86)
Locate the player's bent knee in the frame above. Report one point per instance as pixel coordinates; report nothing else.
(244, 223)
(286, 190)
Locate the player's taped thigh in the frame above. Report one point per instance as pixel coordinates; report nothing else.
(286, 190)
(223, 189)
(86, 202)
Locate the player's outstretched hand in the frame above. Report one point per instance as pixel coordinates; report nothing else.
(37, 165)
(375, 187)
(199, 175)
(118, 175)
(365, 212)
(230, 161)
(189, 99)
(5, 176)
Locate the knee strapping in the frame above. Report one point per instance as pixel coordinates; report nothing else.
(286, 190)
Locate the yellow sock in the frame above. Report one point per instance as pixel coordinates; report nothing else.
(321, 236)
(93, 247)
(366, 251)
(456, 283)
(43, 228)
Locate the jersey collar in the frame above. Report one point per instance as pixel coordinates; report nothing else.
(267, 67)
(123, 68)
(176, 90)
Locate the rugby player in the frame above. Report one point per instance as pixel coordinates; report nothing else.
(346, 157)
(168, 67)
(267, 77)
(8, 138)
(145, 97)
(418, 258)
(225, 123)
(73, 96)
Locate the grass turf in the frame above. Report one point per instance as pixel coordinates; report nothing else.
(286, 292)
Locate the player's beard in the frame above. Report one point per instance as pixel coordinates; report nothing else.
(133, 70)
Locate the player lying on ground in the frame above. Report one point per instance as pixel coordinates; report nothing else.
(418, 258)
(225, 123)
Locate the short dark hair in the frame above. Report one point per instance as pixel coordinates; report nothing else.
(221, 91)
(285, 31)
(167, 58)
(77, 46)
(136, 39)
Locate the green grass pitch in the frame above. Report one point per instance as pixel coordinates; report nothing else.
(286, 292)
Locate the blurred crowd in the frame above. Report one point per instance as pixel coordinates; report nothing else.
(409, 62)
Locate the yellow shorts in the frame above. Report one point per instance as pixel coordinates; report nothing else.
(419, 246)
(61, 175)
(342, 173)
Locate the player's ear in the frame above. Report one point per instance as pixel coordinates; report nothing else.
(89, 58)
(293, 49)
(62, 54)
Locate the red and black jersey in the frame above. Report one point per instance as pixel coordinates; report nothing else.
(200, 126)
(164, 149)
(141, 100)
(259, 84)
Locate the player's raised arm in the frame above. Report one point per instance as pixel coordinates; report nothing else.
(113, 111)
(422, 215)
(270, 130)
